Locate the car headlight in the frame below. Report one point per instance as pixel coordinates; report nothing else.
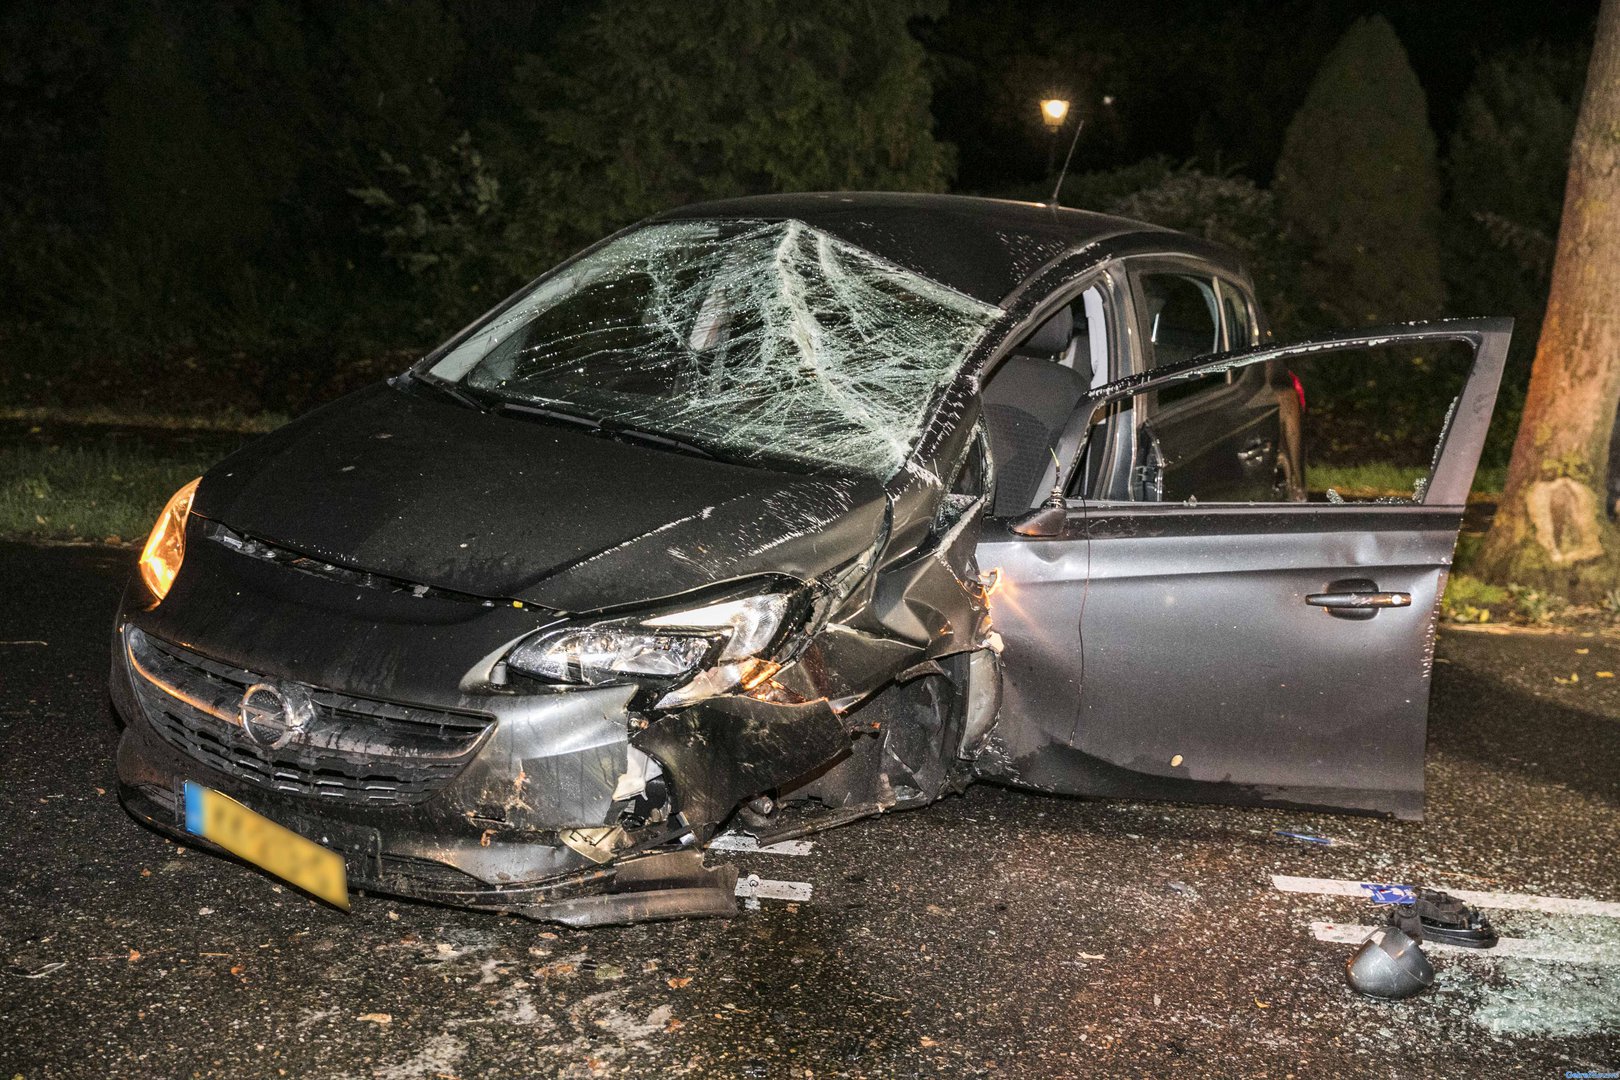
(667, 648)
(166, 546)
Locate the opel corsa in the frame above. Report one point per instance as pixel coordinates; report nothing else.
(776, 513)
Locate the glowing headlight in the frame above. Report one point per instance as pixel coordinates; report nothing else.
(166, 546)
(668, 647)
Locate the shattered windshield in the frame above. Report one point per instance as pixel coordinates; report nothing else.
(765, 341)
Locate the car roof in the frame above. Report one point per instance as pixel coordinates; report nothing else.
(985, 248)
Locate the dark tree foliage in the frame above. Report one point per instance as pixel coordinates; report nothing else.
(186, 185)
(245, 199)
(652, 104)
(1358, 180)
(1506, 166)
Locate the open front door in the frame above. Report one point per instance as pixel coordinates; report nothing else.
(1165, 643)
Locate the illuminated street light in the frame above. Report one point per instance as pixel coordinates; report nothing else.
(1053, 110)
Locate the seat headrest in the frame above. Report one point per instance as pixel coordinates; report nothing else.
(1052, 337)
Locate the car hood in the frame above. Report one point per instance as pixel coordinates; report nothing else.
(423, 489)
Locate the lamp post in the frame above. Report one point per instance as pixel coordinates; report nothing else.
(1053, 112)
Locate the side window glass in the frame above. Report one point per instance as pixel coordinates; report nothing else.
(1354, 424)
(1239, 321)
(1180, 320)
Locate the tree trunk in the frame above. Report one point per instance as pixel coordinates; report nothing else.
(1552, 530)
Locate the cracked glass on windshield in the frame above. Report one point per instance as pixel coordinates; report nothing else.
(759, 341)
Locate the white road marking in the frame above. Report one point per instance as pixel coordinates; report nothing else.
(1519, 948)
(744, 842)
(754, 887)
(1553, 905)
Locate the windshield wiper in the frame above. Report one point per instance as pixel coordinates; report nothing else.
(655, 438)
(616, 429)
(546, 412)
(454, 393)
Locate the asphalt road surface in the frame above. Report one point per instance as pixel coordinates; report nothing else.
(999, 933)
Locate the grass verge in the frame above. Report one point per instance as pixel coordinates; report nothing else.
(226, 420)
(108, 494)
(1380, 479)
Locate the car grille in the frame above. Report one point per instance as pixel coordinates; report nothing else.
(354, 750)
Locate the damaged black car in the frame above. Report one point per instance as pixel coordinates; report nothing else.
(781, 512)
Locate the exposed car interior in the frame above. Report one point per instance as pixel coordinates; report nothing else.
(1031, 396)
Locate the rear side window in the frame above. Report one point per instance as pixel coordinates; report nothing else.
(1180, 319)
(1239, 321)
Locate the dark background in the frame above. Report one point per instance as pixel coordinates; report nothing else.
(257, 204)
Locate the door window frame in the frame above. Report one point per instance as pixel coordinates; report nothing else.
(1450, 477)
(1111, 280)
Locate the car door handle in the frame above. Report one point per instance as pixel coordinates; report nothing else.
(1357, 598)
(1256, 451)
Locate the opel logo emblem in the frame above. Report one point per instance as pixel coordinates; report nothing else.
(271, 716)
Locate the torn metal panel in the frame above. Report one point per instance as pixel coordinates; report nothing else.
(902, 752)
(667, 885)
(728, 749)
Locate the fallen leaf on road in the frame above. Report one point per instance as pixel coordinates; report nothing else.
(673, 1024)
(679, 983)
(377, 1018)
(1261, 1004)
(926, 1041)
(1605, 674)
(134, 955)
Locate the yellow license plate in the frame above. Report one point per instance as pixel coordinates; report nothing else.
(254, 838)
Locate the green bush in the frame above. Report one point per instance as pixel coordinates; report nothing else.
(1470, 600)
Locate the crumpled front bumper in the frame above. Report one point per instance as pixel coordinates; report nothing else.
(453, 846)
(429, 789)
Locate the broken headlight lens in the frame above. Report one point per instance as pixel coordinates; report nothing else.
(166, 546)
(666, 647)
(603, 654)
(749, 624)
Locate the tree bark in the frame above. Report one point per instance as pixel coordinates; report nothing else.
(1552, 529)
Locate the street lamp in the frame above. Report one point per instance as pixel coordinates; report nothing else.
(1053, 111)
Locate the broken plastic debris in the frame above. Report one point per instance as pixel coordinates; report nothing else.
(1388, 965)
(1308, 838)
(1389, 894)
(1437, 916)
(597, 843)
(754, 887)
